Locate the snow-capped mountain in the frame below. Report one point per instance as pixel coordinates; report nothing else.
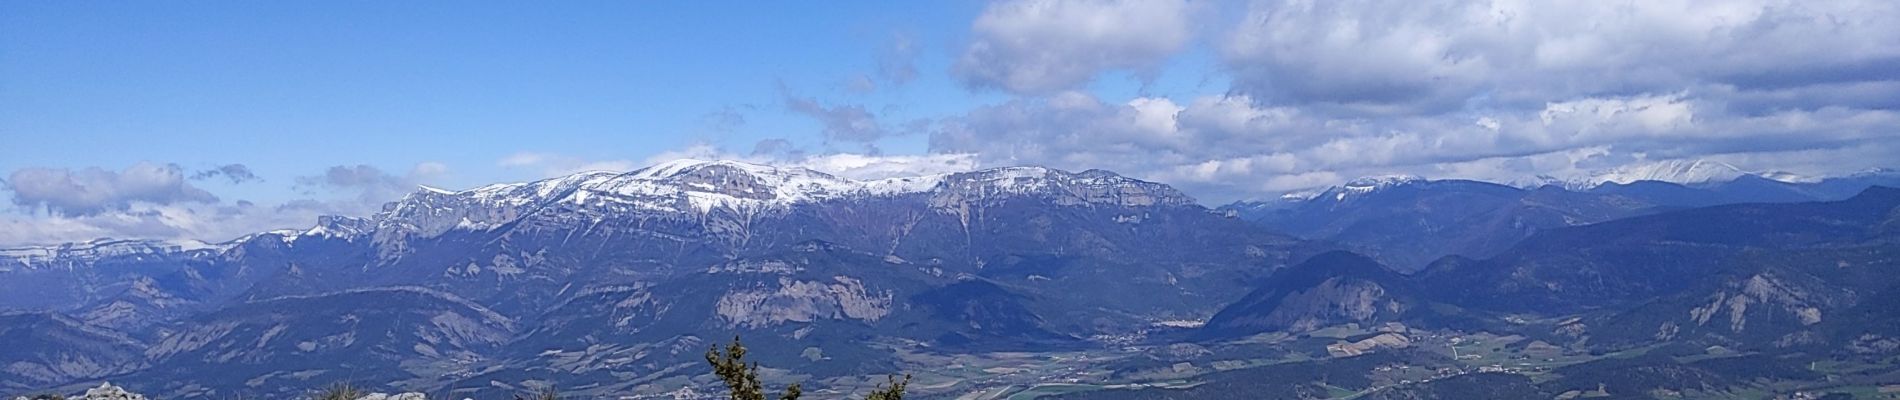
(695, 186)
(699, 190)
(1692, 173)
(638, 263)
(1351, 189)
(1672, 171)
(1788, 177)
(1681, 172)
(1383, 214)
(1328, 197)
(691, 190)
(684, 187)
(632, 274)
(1361, 186)
(69, 255)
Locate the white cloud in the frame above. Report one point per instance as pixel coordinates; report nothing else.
(1156, 116)
(139, 214)
(1225, 147)
(1434, 56)
(1047, 46)
(1484, 89)
(94, 190)
(1617, 117)
(206, 222)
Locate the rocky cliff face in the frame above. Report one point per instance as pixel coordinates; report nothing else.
(802, 301)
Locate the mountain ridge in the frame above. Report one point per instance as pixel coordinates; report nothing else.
(678, 253)
(593, 276)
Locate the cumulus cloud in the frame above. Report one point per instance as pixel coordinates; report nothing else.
(1047, 46)
(156, 201)
(94, 190)
(237, 173)
(1503, 90)
(1437, 55)
(1322, 92)
(199, 221)
(1224, 147)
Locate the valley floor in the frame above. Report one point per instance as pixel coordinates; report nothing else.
(1424, 361)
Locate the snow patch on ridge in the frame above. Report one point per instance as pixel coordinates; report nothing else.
(70, 254)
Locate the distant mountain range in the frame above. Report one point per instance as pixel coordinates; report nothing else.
(613, 284)
(1684, 172)
(1409, 221)
(1705, 302)
(503, 282)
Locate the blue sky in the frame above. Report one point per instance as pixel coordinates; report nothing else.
(287, 89)
(209, 119)
(291, 88)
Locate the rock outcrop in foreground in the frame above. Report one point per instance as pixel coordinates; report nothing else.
(398, 396)
(105, 391)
